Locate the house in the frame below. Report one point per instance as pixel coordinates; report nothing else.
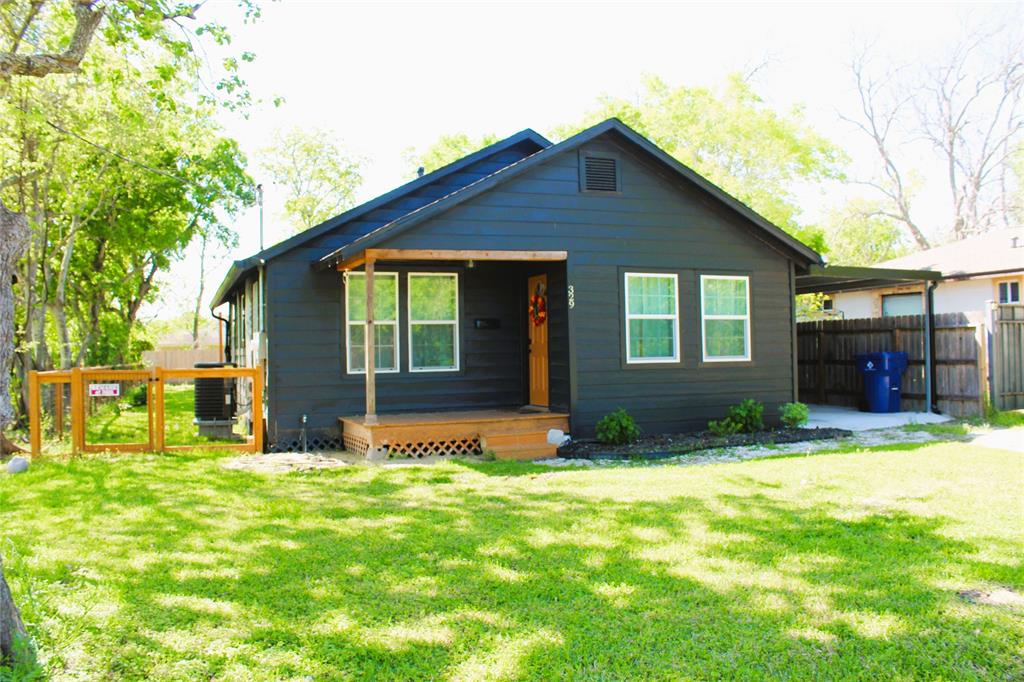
(977, 270)
(527, 286)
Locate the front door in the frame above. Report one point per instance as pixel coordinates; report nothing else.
(537, 323)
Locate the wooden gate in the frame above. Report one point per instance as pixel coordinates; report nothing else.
(99, 383)
(1007, 344)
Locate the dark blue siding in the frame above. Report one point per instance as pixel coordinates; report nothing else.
(655, 223)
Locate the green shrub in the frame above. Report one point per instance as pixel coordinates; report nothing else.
(794, 415)
(724, 427)
(137, 396)
(747, 417)
(617, 428)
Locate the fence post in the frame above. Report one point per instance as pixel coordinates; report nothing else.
(981, 343)
(77, 411)
(158, 409)
(257, 408)
(58, 409)
(35, 435)
(995, 343)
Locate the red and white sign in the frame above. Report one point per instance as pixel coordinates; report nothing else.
(104, 390)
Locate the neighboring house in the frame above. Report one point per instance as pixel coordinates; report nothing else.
(976, 270)
(570, 278)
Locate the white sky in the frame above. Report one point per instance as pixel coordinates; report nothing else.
(386, 77)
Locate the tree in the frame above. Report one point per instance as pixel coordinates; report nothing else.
(968, 106)
(43, 39)
(862, 234)
(446, 149)
(319, 178)
(733, 138)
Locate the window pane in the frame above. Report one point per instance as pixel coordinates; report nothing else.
(652, 295)
(432, 297)
(725, 338)
(433, 346)
(384, 297)
(1009, 292)
(725, 297)
(385, 335)
(901, 304)
(651, 338)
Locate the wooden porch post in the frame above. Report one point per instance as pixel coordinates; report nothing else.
(370, 346)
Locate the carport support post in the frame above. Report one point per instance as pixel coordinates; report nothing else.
(929, 323)
(369, 344)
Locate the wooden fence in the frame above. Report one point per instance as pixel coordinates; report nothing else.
(828, 372)
(180, 357)
(1007, 325)
(78, 380)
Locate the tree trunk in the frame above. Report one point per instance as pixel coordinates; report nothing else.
(11, 627)
(199, 296)
(14, 235)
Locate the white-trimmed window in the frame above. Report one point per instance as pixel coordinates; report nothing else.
(433, 321)
(1009, 291)
(652, 317)
(385, 321)
(725, 317)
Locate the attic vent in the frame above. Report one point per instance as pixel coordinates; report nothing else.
(600, 174)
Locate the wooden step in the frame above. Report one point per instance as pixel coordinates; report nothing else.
(519, 446)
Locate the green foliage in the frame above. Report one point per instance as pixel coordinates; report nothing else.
(137, 396)
(747, 417)
(449, 570)
(794, 415)
(861, 234)
(116, 186)
(617, 428)
(447, 149)
(734, 139)
(724, 427)
(319, 177)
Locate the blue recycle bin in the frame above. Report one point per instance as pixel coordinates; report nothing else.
(883, 374)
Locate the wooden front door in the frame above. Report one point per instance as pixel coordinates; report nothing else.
(537, 324)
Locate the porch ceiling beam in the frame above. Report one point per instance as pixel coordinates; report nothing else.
(450, 254)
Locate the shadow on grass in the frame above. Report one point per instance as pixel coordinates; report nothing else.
(431, 573)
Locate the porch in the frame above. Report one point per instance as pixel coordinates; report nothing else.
(508, 433)
(458, 386)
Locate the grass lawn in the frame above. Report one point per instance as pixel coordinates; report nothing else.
(836, 566)
(119, 422)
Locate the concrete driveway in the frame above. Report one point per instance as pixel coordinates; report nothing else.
(851, 419)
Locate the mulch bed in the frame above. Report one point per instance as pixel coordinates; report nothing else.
(672, 445)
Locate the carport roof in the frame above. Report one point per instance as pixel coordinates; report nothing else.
(833, 278)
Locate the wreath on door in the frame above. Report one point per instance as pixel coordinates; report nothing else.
(538, 308)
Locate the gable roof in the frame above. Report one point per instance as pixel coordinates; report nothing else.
(241, 268)
(991, 252)
(767, 229)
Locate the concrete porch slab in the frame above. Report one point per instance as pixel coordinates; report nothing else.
(851, 419)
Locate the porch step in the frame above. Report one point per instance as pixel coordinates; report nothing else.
(518, 445)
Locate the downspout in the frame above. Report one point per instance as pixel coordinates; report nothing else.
(226, 338)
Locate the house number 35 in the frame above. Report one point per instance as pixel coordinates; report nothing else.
(572, 297)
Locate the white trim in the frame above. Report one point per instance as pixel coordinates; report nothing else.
(674, 317)
(453, 323)
(349, 324)
(747, 342)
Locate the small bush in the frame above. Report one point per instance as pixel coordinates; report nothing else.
(794, 415)
(137, 396)
(723, 427)
(747, 417)
(617, 428)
